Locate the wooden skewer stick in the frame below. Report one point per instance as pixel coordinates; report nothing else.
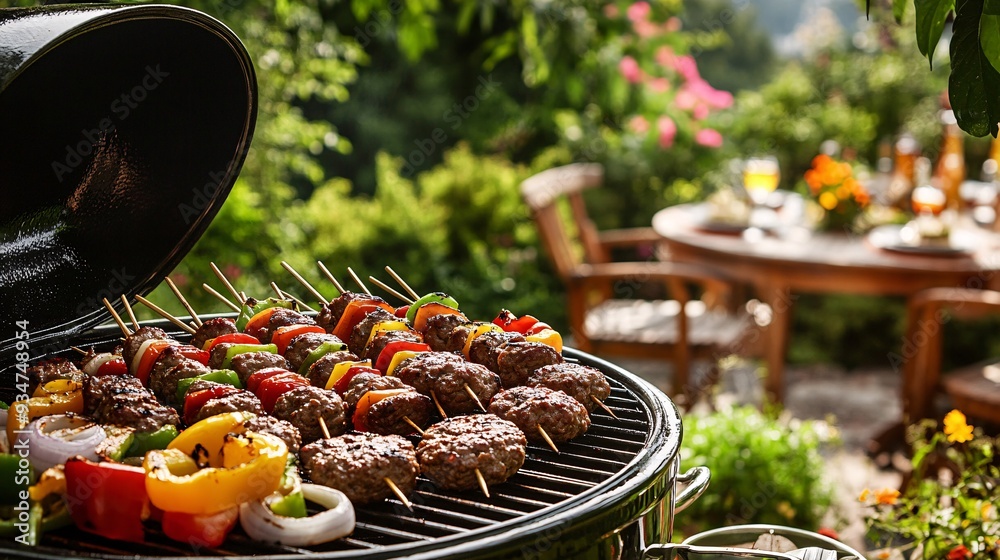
(221, 297)
(243, 296)
(474, 397)
(121, 324)
(131, 314)
(399, 493)
(413, 425)
(604, 406)
(80, 350)
(482, 482)
(438, 405)
(331, 277)
(358, 280)
(181, 324)
(322, 426)
(297, 300)
(225, 281)
(277, 290)
(402, 282)
(303, 281)
(184, 302)
(389, 289)
(548, 440)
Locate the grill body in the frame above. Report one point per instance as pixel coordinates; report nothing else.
(606, 495)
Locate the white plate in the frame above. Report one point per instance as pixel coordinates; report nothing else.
(889, 238)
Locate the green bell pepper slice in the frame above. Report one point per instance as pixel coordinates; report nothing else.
(433, 297)
(253, 307)
(227, 376)
(118, 442)
(147, 441)
(39, 522)
(320, 351)
(293, 502)
(237, 349)
(16, 476)
(4, 406)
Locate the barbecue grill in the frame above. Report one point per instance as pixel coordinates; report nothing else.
(125, 215)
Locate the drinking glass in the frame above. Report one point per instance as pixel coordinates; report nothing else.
(760, 178)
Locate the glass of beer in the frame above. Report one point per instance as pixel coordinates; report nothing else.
(760, 178)
(928, 200)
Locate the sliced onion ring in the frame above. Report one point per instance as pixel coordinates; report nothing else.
(337, 521)
(54, 439)
(95, 363)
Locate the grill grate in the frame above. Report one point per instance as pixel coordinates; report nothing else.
(546, 480)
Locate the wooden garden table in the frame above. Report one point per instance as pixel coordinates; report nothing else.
(778, 268)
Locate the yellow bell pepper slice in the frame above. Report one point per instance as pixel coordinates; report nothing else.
(250, 468)
(549, 337)
(52, 481)
(481, 329)
(398, 358)
(57, 386)
(340, 370)
(23, 412)
(386, 326)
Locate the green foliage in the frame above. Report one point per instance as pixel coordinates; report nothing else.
(765, 469)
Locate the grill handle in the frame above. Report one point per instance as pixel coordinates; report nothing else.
(696, 480)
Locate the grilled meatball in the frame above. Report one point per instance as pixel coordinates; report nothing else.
(218, 354)
(239, 401)
(135, 410)
(95, 389)
(319, 372)
(54, 369)
(303, 406)
(364, 382)
(280, 318)
(452, 450)
(560, 415)
(300, 347)
(383, 338)
(281, 429)
(358, 464)
(135, 340)
(516, 361)
(247, 364)
(447, 375)
(486, 347)
(447, 332)
(331, 312)
(201, 385)
(390, 415)
(361, 332)
(213, 328)
(169, 369)
(581, 382)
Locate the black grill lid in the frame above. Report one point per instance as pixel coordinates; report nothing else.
(123, 131)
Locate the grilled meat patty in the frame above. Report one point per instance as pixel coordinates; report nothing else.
(441, 335)
(213, 328)
(218, 354)
(446, 375)
(361, 332)
(383, 338)
(364, 382)
(358, 464)
(95, 389)
(530, 408)
(303, 407)
(282, 429)
(452, 450)
(300, 347)
(280, 318)
(135, 340)
(53, 369)
(169, 369)
(247, 364)
(138, 410)
(486, 347)
(319, 372)
(239, 401)
(390, 415)
(583, 383)
(516, 361)
(331, 312)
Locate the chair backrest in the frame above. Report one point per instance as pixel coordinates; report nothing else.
(542, 193)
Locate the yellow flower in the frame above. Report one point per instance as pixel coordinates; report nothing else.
(886, 497)
(955, 427)
(864, 495)
(828, 200)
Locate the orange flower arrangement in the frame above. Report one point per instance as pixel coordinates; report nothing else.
(834, 187)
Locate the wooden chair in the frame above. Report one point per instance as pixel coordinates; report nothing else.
(974, 389)
(605, 313)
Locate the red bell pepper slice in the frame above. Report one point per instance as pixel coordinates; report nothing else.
(283, 335)
(253, 382)
(259, 321)
(232, 338)
(273, 387)
(116, 366)
(385, 356)
(194, 401)
(401, 311)
(354, 313)
(196, 354)
(360, 418)
(536, 328)
(512, 323)
(430, 310)
(341, 385)
(107, 499)
(209, 530)
(149, 358)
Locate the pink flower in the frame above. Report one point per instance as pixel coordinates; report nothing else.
(665, 57)
(715, 98)
(638, 11)
(659, 85)
(673, 25)
(668, 130)
(685, 99)
(630, 69)
(685, 66)
(700, 111)
(645, 28)
(639, 124)
(611, 10)
(708, 137)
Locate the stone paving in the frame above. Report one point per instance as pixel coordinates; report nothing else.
(860, 402)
